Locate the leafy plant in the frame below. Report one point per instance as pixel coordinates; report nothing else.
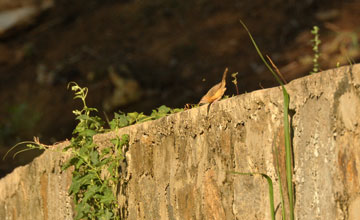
(316, 42)
(96, 172)
(123, 120)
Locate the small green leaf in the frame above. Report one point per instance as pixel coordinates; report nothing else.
(105, 151)
(119, 121)
(80, 181)
(94, 157)
(108, 196)
(124, 140)
(81, 210)
(74, 187)
(145, 118)
(87, 132)
(132, 117)
(164, 109)
(115, 141)
(90, 192)
(83, 117)
(140, 117)
(176, 110)
(69, 163)
(111, 168)
(107, 215)
(79, 162)
(105, 161)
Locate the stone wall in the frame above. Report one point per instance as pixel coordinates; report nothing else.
(177, 165)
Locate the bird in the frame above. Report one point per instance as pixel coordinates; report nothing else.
(216, 92)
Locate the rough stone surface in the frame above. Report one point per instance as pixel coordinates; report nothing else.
(37, 190)
(177, 165)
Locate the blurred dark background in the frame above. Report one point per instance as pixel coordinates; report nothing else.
(138, 55)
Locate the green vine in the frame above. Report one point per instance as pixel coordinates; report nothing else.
(97, 172)
(123, 120)
(96, 175)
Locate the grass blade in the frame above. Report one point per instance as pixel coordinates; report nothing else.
(277, 168)
(16, 145)
(261, 56)
(286, 126)
(288, 154)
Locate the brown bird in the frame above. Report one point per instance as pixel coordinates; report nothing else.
(216, 92)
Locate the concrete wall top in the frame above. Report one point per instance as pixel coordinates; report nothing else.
(177, 165)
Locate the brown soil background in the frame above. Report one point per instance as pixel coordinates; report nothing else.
(138, 55)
